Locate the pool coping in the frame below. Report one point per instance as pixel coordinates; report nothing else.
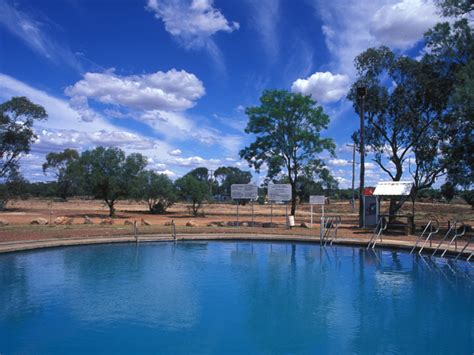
(17, 246)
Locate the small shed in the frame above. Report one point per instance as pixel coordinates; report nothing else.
(399, 189)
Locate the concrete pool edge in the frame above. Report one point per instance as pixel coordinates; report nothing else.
(17, 246)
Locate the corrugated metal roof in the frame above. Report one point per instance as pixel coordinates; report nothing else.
(393, 188)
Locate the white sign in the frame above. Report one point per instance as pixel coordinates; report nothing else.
(317, 200)
(243, 191)
(279, 192)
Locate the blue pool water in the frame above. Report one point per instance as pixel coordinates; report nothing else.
(229, 297)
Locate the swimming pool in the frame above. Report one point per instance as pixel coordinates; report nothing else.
(227, 297)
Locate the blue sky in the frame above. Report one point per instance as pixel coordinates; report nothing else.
(171, 78)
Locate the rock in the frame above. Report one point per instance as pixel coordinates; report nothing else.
(107, 222)
(40, 221)
(191, 224)
(4, 222)
(144, 222)
(128, 223)
(212, 224)
(64, 220)
(305, 225)
(87, 220)
(168, 223)
(244, 224)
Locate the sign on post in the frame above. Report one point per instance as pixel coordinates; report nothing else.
(279, 192)
(243, 191)
(317, 200)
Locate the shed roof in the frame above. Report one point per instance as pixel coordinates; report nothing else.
(393, 188)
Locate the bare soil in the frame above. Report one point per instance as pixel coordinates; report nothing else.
(19, 214)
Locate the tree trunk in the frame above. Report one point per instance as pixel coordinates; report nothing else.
(293, 199)
(111, 205)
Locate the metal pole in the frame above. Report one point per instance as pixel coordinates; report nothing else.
(361, 92)
(271, 212)
(286, 215)
(237, 213)
(311, 216)
(353, 175)
(253, 212)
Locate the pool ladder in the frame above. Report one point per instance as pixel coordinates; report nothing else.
(329, 234)
(433, 227)
(379, 228)
(458, 232)
(173, 230)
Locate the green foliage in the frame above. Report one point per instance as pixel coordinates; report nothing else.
(448, 191)
(288, 129)
(108, 174)
(229, 175)
(201, 173)
(193, 190)
(468, 196)
(453, 8)
(16, 131)
(61, 164)
(156, 189)
(404, 110)
(14, 187)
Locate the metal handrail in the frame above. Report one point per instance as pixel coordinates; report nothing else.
(381, 226)
(453, 226)
(338, 223)
(433, 231)
(463, 249)
(456, 235)
(327, 231)
(173, 230)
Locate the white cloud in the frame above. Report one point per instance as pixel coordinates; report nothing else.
(173, 90)
(175, 152)
(323, 86)
(351, 26)
(265, 15)
(192, 22)
(32, 33)
(339, 162)
(402, 24)
(196, 161)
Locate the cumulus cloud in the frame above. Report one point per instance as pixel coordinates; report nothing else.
(173, 90)
(323, 86)
(175, 152)
(351, 26)
(196, 161)
(402, 24)
(192, 22)
(339, 162)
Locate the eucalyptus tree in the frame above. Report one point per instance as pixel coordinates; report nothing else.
(194, 190)
(17, 117)
(156, 189)
(109, 174)
(61, 165)
(229, 175)
(287, 129)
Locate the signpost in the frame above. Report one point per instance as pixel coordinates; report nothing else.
(279, 192)
(244, 192)
(318, 200)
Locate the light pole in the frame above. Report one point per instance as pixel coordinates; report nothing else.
(353, 174)
(361, 93)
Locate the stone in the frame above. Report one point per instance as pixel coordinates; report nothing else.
(212, 224)
(305, 225)
(107, 222)
(65, 220)
(128, 223)
(144, 222)
(244, 224)
(168, 223)
(191, 224)
(4, 222)
(40, 221)
(87, 220)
